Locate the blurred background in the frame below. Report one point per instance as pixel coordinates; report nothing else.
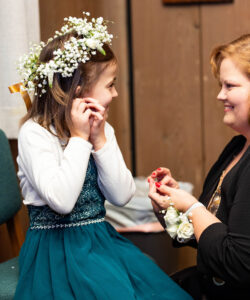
(166, 113)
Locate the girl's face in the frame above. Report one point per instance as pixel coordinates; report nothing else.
(104, 89)
(235, 95)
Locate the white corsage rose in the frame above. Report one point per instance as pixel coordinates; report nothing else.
(185, 231)
(172, 216)
(178, 225)
(172, 230)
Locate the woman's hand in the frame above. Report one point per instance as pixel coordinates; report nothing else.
(80, 117)
(161, 195)
(163, 175)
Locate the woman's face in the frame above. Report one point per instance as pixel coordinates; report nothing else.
(104, 89)
(235, 95)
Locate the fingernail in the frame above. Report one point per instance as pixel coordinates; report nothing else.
(159, 169)
(148, 179)
(158, 184)
(153, 174)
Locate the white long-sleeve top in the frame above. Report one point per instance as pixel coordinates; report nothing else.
(53, 175)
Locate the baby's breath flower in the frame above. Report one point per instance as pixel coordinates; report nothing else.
(92, 35)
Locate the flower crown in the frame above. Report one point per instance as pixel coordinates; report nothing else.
(37, 76)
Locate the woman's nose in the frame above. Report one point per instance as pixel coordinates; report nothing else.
(222, 95)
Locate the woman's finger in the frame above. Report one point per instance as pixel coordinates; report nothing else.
(166, 180)
(163, 189)
(161, 200)
(170, 181)
(160, 173)
(152, 187)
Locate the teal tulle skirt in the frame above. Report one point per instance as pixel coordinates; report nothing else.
(89, 262)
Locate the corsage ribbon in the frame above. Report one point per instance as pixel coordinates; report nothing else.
(17, 88)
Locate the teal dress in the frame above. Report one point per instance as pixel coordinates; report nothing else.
(81, 256)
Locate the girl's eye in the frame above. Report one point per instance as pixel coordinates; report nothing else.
(111, 85)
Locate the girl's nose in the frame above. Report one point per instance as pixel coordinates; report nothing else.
(115, 94)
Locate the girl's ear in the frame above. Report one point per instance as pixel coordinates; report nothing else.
(78, 90)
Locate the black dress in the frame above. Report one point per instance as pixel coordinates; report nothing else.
(223, 250)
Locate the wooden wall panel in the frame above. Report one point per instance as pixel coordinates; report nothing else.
(167, 89)
(220, 24)
(52, 13)
(166, 55)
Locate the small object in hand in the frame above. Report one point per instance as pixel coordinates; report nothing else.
(158, 184)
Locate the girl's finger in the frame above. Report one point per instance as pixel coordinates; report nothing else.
(90, 100)
(82, 107)
(78, 104)
(87, 114)
(97, 115)
(96, 107)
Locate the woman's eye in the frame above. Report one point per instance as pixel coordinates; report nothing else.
(112, 84)
(229, 85)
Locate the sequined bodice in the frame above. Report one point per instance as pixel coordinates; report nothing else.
(88, 208)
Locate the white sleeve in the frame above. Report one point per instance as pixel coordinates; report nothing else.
(57, 180)
(114, 178)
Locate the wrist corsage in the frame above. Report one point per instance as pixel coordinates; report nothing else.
(178, 224)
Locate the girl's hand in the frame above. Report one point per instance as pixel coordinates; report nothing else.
(163, 175)
(162, 195)
(80, 117)
(97, 123)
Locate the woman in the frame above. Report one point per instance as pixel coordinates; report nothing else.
(221, 217)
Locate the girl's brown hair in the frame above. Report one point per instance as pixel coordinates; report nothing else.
(53, 107)
(238, 50)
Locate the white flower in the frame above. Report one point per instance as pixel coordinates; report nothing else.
(171, 216)
(91, 37)
(185, 231)
(183, 218)
(172, 230)
(178, 225)
(91, 43)
(99, 20)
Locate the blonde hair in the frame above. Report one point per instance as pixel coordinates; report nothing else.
(238, 50)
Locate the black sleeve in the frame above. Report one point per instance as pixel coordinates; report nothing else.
(224, 250)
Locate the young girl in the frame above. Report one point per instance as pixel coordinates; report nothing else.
(69, 163)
